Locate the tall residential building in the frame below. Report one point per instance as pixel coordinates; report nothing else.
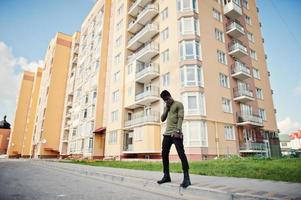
(83, 133)
(22, 108)
(210, 56)
(49, 114)
(66, 122)
(4, 135)
(26, 148)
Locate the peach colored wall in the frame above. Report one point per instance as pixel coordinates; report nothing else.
(4, 139)
(19, 124)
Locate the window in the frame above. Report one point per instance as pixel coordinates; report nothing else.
(250, 37)
(245, 4)
(195, 134)
(114, 115)
(226, 104)
(248, 20)
(118, 41)
(130, 69)
(256, 73)
(117, 58)
(259, 93)
(165, 56)
(187, 5)
(221, 57)
(120, 9)
(164, 14)
(138, 134)
(116, 76)
(189, 25)
(224, 80)
(194, 103)
(113, 137)
(164, 34)
(253, 54)
(219, 35)
(90, 145)
(191, 75)
(262, 114)
(119, 25)
(129, 91)
(74, 132)
(246, 110)
(165, 79)
(115, 96)
(189, 50)
(217, 15)
(229, 132)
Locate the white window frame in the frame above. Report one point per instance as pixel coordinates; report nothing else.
(201, 136)
(229, 132)
(193, 24)
(114, 115)
(164, 14)
(226, 105)
(217, 15)
(198, 76)
(166, 79)
(262, 114)
(200, 103)
(196, 50)
(222, 57)
(113, 137)
(219, 35)
(259, 93)
(165, 56)
(165, 34)
(248, 20)
(224, 80)
(256, 73)
(180, 6)
(250, 37)
(115, 96)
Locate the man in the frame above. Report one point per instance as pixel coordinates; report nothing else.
(174, 113)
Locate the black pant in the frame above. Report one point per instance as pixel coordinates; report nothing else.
(166, 144)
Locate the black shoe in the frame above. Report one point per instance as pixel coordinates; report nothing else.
(186, 182)
(165, 179)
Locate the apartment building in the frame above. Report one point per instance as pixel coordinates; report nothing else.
(49, 116)
(26, 147)
(83, 132)
(210, 56)
(22, 108)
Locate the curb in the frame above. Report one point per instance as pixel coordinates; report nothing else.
(149, 185)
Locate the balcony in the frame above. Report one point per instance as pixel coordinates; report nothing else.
(243, 95)
(240, 71)
(253, 147)
(147, 97)
(76, 49)
(143, 36)
(232, 9)
(235, 30)
(143, 118)
(74, 59)
(145, 73)
(249, 119)
(146, 53)
(135, 8)
(143, 18)
(237, 50)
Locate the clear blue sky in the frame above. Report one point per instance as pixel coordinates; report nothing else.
(27, 27)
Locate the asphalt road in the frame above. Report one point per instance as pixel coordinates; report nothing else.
(22, 179)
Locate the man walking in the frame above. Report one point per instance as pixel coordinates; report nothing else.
(174, 113)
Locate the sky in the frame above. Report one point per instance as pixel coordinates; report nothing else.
(26, 27)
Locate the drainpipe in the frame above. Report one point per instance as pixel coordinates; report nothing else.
(216, 139)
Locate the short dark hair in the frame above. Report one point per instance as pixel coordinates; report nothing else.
(165, 94)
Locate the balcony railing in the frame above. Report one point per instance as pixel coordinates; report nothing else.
(151, 29)
(253, 119)
(136, 6)
(150, 68)
(240, 70)
(232, 9)
(143, 117)
(142, 18)
(152, 47)
(153, 92)
(253, 146)
(237, 46)
(238, 92)
(235, 29)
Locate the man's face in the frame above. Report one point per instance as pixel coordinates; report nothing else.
(168, 100)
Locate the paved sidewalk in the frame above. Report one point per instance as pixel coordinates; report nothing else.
(204, 187)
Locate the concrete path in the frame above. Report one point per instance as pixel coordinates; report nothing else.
(207, 187)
